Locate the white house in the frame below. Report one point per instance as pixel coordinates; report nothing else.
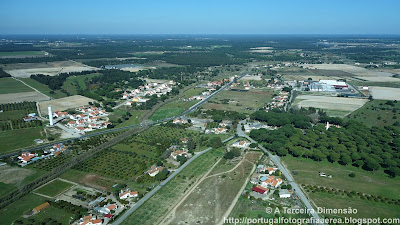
(128, 194)
(241, 144)
(155, 171)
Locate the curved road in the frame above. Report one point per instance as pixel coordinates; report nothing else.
(290, 179)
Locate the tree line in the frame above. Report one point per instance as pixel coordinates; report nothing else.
(353, 144)
(56, 82)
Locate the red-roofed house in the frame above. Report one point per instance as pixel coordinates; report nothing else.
(259, 189)
(128, 194)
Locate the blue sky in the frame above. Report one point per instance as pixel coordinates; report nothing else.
(199, 17)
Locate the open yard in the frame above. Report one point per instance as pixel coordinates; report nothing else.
(54, 188)
(209, 201)
(64, 103)
(240, 101)
(9, 85)
(334, 106)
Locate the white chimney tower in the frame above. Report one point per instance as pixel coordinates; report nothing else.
(51, 116)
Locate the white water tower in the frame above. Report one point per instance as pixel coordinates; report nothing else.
(51, 116)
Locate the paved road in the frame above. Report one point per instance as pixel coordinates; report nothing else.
(277, 162)
(191, 109)
(151, 193)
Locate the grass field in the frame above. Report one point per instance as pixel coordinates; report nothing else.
(134, 119)
(43, 88)
(11, 139)
(243, 102)
(54, 188)
(157, 206)
(75, 82)
(193, 92)
(18, 208)
(22, 53)
(377, 183)
(365, 208)
(9, 85)
(171, 109)
(12, 177)
(377, 113)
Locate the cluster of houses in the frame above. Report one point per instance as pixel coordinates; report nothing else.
(89, 220)
(26, 157)
(88, 119)
(278, 101)
(139, 95)
(264, 180)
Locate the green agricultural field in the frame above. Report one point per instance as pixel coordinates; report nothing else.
(171, 109)
(54, 188)
(134, 119)
(23, 205)
(193, 92)
(377, 183)
(74, 83)
(377, 113)
(239, 101)
(22, 53)
(43, 88)
(11, 139)
(157, 206)
(9, 85)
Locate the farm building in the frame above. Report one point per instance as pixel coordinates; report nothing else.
(40, 207)
(284, 193)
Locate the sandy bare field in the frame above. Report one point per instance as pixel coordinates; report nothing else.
(380, 79)
(22, 96)
(64, 103)
(24, 70)
(358, 71)
(332, 103)
(385, 93)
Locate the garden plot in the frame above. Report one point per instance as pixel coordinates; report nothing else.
(385, 93)
(336, 106)
(62, 104)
